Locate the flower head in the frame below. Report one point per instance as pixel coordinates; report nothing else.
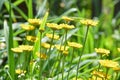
(51, 36)
(54, 26)
(89, 22)
(46, 45)
(66, 26)
(65, 52)
(35, 21)
(19, 71)
(116, 69)
(26, 47)
(100, 74)
(102, 51)
(31, 38)
(27, 27)
(74, 45)
(61, 48)
(67, 18)
(109, 63)
(17, 50)
(41, 55)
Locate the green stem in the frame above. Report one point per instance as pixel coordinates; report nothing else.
(10, 45)
(30, 9)
(52, 70)
(70, 64)
(99, 65)
(9, 75)
(40, 73)
(106, 73)
(64, 56)
(82, 51)
(50, 50)
(116, 77)
(59, 57)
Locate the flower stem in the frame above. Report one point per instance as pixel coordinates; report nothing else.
(116, 77)
(40, 73)
(50, 50)
(59, 57)
(63, 55)
(99, 65)
(82, 51)
(70, 64)
(106, 73)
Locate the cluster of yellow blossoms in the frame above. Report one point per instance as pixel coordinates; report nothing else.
(109, 63)
(56, 37)
(67, 18)
(22, 48)
(35, 22)
(31, 38)
(102, 51)
(89, 22)
(60, 26)
(74, 45)
(27, 27)
(41, 55)
(100, 74)
(19, 71)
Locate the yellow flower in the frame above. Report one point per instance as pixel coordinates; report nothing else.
(67, 18)
(116, 69)
(17, 50)
(109, 63)
(41, 55)
(89, 22)
(26, 47)
(66, 26)
(100, 74)
(118, 49)
(27, 27)
(54, 26)
(51, 35)
(31, 38)
(35, 21)
(61, 48)
(19, 71)
(102, 51)
(65, 52)
(74, 44)
(45, 45)
(94, 78)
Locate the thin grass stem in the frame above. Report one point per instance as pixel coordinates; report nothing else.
(40, 73)
(70, 64)
(82, 51)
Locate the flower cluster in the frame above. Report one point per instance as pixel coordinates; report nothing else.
(100, 74)
(41, 55)
(22, 48)
(35, 22)
(31, 38)
(109, 63)
(102, 51)
(74, 45)
(67, 18)
(89, 22)
(19, 71)
(27, 27)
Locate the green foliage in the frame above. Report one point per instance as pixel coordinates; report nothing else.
(56, 66)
